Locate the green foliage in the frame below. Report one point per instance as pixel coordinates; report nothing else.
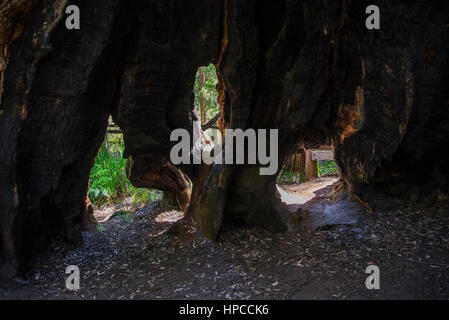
(209, 91)
(108, 181)
(287, 177)
(327, 167)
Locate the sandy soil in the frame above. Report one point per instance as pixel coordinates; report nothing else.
(295, 195)
(130, 257)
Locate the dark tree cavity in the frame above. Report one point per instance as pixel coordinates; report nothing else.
(308, 68)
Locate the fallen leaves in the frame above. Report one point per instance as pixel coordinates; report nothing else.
(125, 263)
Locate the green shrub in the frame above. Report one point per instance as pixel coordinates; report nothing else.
(108, 181)
(327, 167)
(287, 177)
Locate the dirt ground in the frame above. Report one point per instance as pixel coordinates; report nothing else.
(130, 257)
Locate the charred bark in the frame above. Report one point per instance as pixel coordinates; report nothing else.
(58, 91)
(157, 172)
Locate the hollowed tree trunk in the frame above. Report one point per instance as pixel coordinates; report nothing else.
(308, 68)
